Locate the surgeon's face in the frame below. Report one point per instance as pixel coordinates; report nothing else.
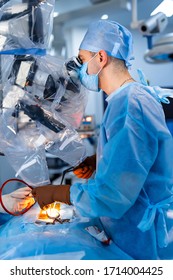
(93, 65)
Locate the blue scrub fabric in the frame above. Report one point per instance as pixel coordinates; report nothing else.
(132, 188)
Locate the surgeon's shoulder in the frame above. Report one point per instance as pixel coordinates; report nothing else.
(145, 98)
(145, 107)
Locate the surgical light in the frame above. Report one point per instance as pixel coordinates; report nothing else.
(165, 7)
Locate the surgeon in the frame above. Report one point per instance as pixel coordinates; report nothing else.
(131, 191)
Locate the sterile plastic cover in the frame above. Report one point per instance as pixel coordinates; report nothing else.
(28, 25)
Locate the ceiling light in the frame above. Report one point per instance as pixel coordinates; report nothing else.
(55, 14)
(165, 7)
(104, 16)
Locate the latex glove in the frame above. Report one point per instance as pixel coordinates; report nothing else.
(21, 193)
(18, 200)
(85, 169)
(48, 194)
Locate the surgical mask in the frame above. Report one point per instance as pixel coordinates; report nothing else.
(89, 81)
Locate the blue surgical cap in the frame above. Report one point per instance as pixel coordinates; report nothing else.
(110, 36)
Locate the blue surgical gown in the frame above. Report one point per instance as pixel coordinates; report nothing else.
(132, 188)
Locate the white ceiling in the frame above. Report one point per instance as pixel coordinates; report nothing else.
(81, 12)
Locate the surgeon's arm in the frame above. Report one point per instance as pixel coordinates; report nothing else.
(121, 173)
(127, 158)
(122, 170)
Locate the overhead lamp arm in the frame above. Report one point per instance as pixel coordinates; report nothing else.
(135, 23)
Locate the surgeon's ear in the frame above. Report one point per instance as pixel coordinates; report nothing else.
(103, 57)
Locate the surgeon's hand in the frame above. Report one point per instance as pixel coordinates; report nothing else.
(85, 169)
(21, 193)
(48, 194)
(18, 200)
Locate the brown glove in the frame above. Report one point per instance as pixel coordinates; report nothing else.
(85, 169)
(48, 194)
